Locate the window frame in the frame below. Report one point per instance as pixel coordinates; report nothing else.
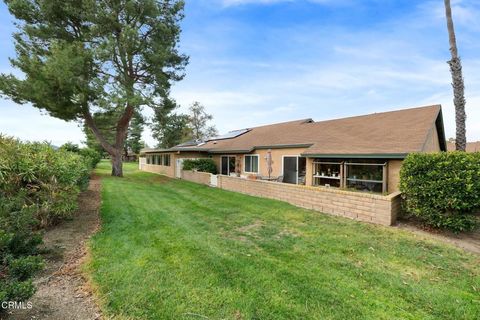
(245, 163)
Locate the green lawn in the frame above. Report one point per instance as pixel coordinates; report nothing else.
(171, 249)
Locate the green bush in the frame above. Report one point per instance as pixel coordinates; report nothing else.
(92, 156)
(19, 241)
(442, 189)
(38, 187)
(202, 165)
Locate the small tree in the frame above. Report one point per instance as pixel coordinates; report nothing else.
(198, 122)
(86, 59)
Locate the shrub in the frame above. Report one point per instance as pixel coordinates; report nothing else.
(442, 189)
(19, 259)
(202, 165)
(38, 187)
(92, 156)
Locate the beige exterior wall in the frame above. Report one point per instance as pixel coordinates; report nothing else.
(354, 205)
(169, 170)
(432, 144)
(277, 157)
(277, 160)
(393, 182)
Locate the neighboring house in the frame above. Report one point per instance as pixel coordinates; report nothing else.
(471, 146)
(363, 152)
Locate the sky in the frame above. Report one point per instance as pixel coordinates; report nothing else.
(255, 62)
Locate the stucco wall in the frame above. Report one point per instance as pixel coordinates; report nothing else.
(393, 181)
(277, 155)
(354, 205)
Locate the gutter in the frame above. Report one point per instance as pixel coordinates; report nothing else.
(358, 156)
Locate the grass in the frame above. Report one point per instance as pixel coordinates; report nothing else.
(171, 249)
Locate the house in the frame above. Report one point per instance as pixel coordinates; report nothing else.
(471, 146)
(363, 153)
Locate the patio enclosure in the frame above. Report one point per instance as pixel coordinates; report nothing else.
(358, 175)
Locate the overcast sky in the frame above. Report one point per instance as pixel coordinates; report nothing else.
(255, 62)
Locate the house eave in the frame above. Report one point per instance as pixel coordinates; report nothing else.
(284, 146)
(357, 156)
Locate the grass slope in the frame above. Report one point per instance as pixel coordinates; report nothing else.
(171, 249)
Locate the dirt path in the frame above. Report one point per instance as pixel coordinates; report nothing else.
(467, 241)
(62, 292)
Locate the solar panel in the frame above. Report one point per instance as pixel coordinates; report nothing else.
(230, 135)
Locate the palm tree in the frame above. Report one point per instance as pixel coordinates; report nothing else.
(457, 83)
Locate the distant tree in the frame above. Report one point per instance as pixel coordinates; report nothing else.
(70, 146)
(134, 142)
(83, 59)
(457, 83)
(172, 131)
(198, 122)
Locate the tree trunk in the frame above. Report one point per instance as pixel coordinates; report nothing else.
(457, 84)
(117, 165)
(116, 151)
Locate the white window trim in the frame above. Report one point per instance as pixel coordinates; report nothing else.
(245, 160)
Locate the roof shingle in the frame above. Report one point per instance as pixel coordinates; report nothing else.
(386, 133)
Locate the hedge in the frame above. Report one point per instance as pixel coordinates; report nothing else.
(442, 189)
(203, 165)
(38, 187)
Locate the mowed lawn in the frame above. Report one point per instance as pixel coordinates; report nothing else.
(171, 249)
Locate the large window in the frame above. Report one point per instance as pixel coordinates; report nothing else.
(251, 163)
(362, 175)
(159, 159)
(367, 176)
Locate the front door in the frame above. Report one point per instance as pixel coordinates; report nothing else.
(228, 165)
(290, 169)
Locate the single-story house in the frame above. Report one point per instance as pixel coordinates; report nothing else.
(364, 153)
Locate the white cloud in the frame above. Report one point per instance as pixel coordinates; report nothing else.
(28, 123)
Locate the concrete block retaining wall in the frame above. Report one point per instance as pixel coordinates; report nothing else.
(374, 208)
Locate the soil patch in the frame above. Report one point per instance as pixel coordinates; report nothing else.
(62, 291)
(469, 241)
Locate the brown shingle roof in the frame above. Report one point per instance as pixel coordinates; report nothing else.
(387, 133)
(471, 146)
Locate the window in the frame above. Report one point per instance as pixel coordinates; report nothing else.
(362, 174)
(328, 174)
(166, 160)
(149, 159)
(370, 177)
(228, 165)
(251, 163)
